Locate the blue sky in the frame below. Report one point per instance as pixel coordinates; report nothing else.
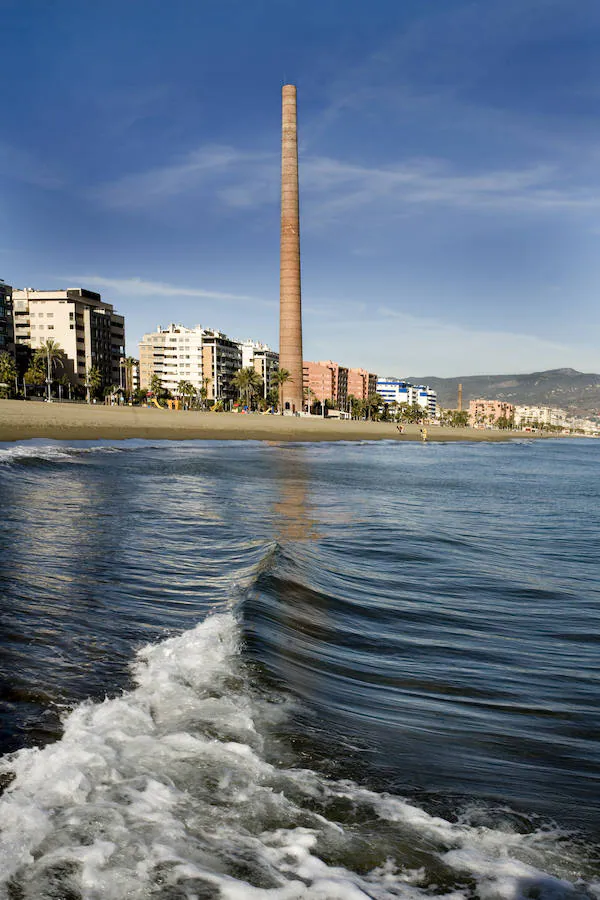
(449, 167)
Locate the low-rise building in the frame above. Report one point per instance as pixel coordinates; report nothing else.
(88, 330)
(487, 412)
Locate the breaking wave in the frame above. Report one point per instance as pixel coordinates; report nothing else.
(181, 788)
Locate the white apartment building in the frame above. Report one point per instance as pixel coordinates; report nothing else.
(394, 390)
(542, 415)
(85, 327)
(174, 354)
(202, 356)
(262, 359)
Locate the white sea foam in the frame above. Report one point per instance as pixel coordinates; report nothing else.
(166, 791)
(50, 451)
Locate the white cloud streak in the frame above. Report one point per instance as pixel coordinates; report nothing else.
(409, 345)
(244, 180)
(139, 287)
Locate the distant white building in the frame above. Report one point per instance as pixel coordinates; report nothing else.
(542, 415)
(394, 390)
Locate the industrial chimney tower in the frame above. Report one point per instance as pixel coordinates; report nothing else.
(290, 302)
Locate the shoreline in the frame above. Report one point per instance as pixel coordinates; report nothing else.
(25, 420)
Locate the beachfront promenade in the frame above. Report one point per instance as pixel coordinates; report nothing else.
(23, 420)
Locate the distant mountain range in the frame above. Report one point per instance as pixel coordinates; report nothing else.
(575, 392)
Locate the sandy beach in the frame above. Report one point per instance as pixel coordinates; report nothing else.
(23, 420)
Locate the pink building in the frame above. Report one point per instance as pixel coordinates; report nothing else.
(361, 383)
(487, 412)
(320, 381)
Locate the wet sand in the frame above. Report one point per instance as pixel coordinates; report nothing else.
(23, 420)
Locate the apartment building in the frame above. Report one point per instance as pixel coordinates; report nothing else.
(7, 334)
(263, 360)
(87, 329)
(542, 415)
(395, 390)
(319, 382)
(487, 412)
(174, 354)
(221, 359)
(361, 384)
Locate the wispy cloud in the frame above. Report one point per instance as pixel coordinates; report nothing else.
(209, 167)
(242, 180)
(448, 349)
(140, 287)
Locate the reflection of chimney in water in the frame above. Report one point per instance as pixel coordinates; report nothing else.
(290, 306)
(459, 398)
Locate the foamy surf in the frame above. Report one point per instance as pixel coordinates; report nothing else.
(167, 791)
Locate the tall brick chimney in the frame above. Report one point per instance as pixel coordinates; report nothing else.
(290, 302)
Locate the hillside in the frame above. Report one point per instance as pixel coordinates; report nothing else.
(576, 392)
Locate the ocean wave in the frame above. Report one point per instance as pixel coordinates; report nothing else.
(34, 453)
(175, 789)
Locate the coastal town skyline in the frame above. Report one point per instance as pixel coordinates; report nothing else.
(448, 223)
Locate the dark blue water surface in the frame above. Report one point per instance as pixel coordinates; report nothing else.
(373, 669)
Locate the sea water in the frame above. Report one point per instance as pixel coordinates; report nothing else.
(242, 670)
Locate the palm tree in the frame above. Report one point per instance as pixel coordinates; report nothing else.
(8, 373)
(129, 363)
(204, 390)
(308, 394)
(186, 389)
(93, 381)
(247, 383)
(156, 385)
(281, 377)
(53, 354)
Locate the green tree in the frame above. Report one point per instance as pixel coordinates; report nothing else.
(93, 382)
(52, 356)
(8, 373)
(281, 377)
(129, 364)
(247, 383)
(373, 404)
(156, 386)
(186, 389)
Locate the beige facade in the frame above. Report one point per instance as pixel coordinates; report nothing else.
(174, 354)
(86, 328)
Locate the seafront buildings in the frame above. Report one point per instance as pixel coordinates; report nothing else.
(88, 330)
(394, 390)
(543, 416)
(329, 381)
(205, 357)
(264, 361)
